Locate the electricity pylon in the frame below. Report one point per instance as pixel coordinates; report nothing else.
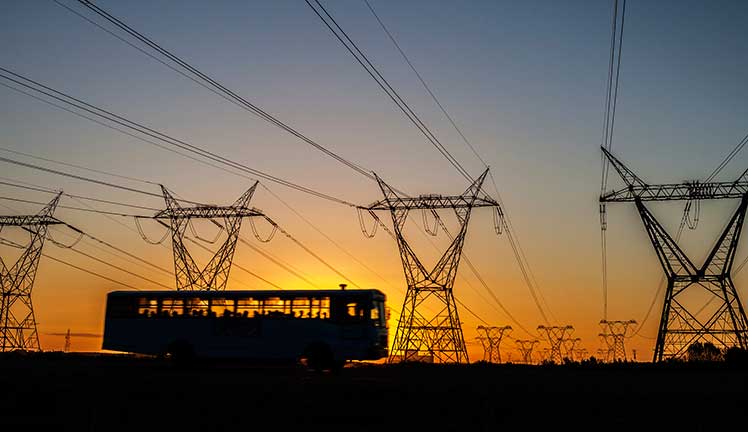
(570, 347)
(614, 334)
(555, 336)
(420, 334)
(490, 338)
(525, 346)
(67, 342)
(701, 303)
(215, 274)
(603, 354)
(580, 354)
(17, 320)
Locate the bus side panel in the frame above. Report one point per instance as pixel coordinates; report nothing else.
(261, 339)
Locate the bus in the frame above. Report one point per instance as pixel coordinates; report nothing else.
(320, 328)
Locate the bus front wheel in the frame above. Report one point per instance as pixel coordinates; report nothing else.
(181, 351)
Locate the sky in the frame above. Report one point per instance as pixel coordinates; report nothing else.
(525, 82)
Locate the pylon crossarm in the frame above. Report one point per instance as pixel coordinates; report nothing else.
(678, 192)
(432, 202)
(28, 221)
(208, 212)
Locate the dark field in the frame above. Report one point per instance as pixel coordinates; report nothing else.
(108, 393)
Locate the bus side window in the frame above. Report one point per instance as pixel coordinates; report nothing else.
(354, 311)
(147, 307)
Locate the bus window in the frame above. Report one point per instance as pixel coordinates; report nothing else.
(354, 311)
(378, 315)
(276, 306)
(122, 307)
(172, 306)
(147, 307)
(222, 307)
(320, 307)
(248, 307)
(196, 307)
(301, 307)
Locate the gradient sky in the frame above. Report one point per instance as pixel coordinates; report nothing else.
(524, 80)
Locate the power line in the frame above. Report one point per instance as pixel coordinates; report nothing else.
(142, 40)
(516, 248)
(16, 245)
(363, 60)
(122, 121)
(611, 101)
(28, 186)
(229, 95)
(423, 82)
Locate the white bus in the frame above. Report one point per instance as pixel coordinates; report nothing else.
(323, 328)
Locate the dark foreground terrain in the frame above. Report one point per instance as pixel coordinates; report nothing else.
(52, 391)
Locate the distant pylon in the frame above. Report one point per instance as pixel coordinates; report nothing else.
(17, 320)
(580, 354)
(67, 342)
(525, 346)
(555, 336)
(603, 354)
(570, 347)
(437, 336)
(613, 335)
(215, 274)
(490, 338)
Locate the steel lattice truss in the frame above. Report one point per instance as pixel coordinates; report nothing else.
(613, 336)
(525, 347)
(490, 338)
(215, 274)
(17, 320)
(701, 302)
(419, 335)
(555, 336)
(570, 347)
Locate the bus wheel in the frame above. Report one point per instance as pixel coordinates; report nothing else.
(318, 357)
(180, 351)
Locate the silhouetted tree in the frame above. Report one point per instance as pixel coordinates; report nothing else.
(704, 352)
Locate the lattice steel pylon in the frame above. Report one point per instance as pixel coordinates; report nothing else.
(436, 336)
(570, 347)
(215, 274)
(490, 338)
(613, 335)
(555, 336)
(690, 315)
(17, 319)
(580, 354)
(525, 346)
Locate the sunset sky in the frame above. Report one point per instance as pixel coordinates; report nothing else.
(525, 82)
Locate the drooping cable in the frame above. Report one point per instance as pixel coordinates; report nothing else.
(230, 95)
(16, 245)
(49, 92)
(364, 61)
(500, 217)
(611, 100)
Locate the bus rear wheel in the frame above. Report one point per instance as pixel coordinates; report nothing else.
(318, 357)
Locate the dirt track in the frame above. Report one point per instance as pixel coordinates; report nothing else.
(85, 393)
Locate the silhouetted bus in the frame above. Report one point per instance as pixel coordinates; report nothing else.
(323, 328)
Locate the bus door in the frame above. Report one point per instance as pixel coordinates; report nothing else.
(353, 317)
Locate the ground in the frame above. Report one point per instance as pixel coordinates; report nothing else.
(56, 391)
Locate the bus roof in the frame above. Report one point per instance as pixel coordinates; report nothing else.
(243, 293)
